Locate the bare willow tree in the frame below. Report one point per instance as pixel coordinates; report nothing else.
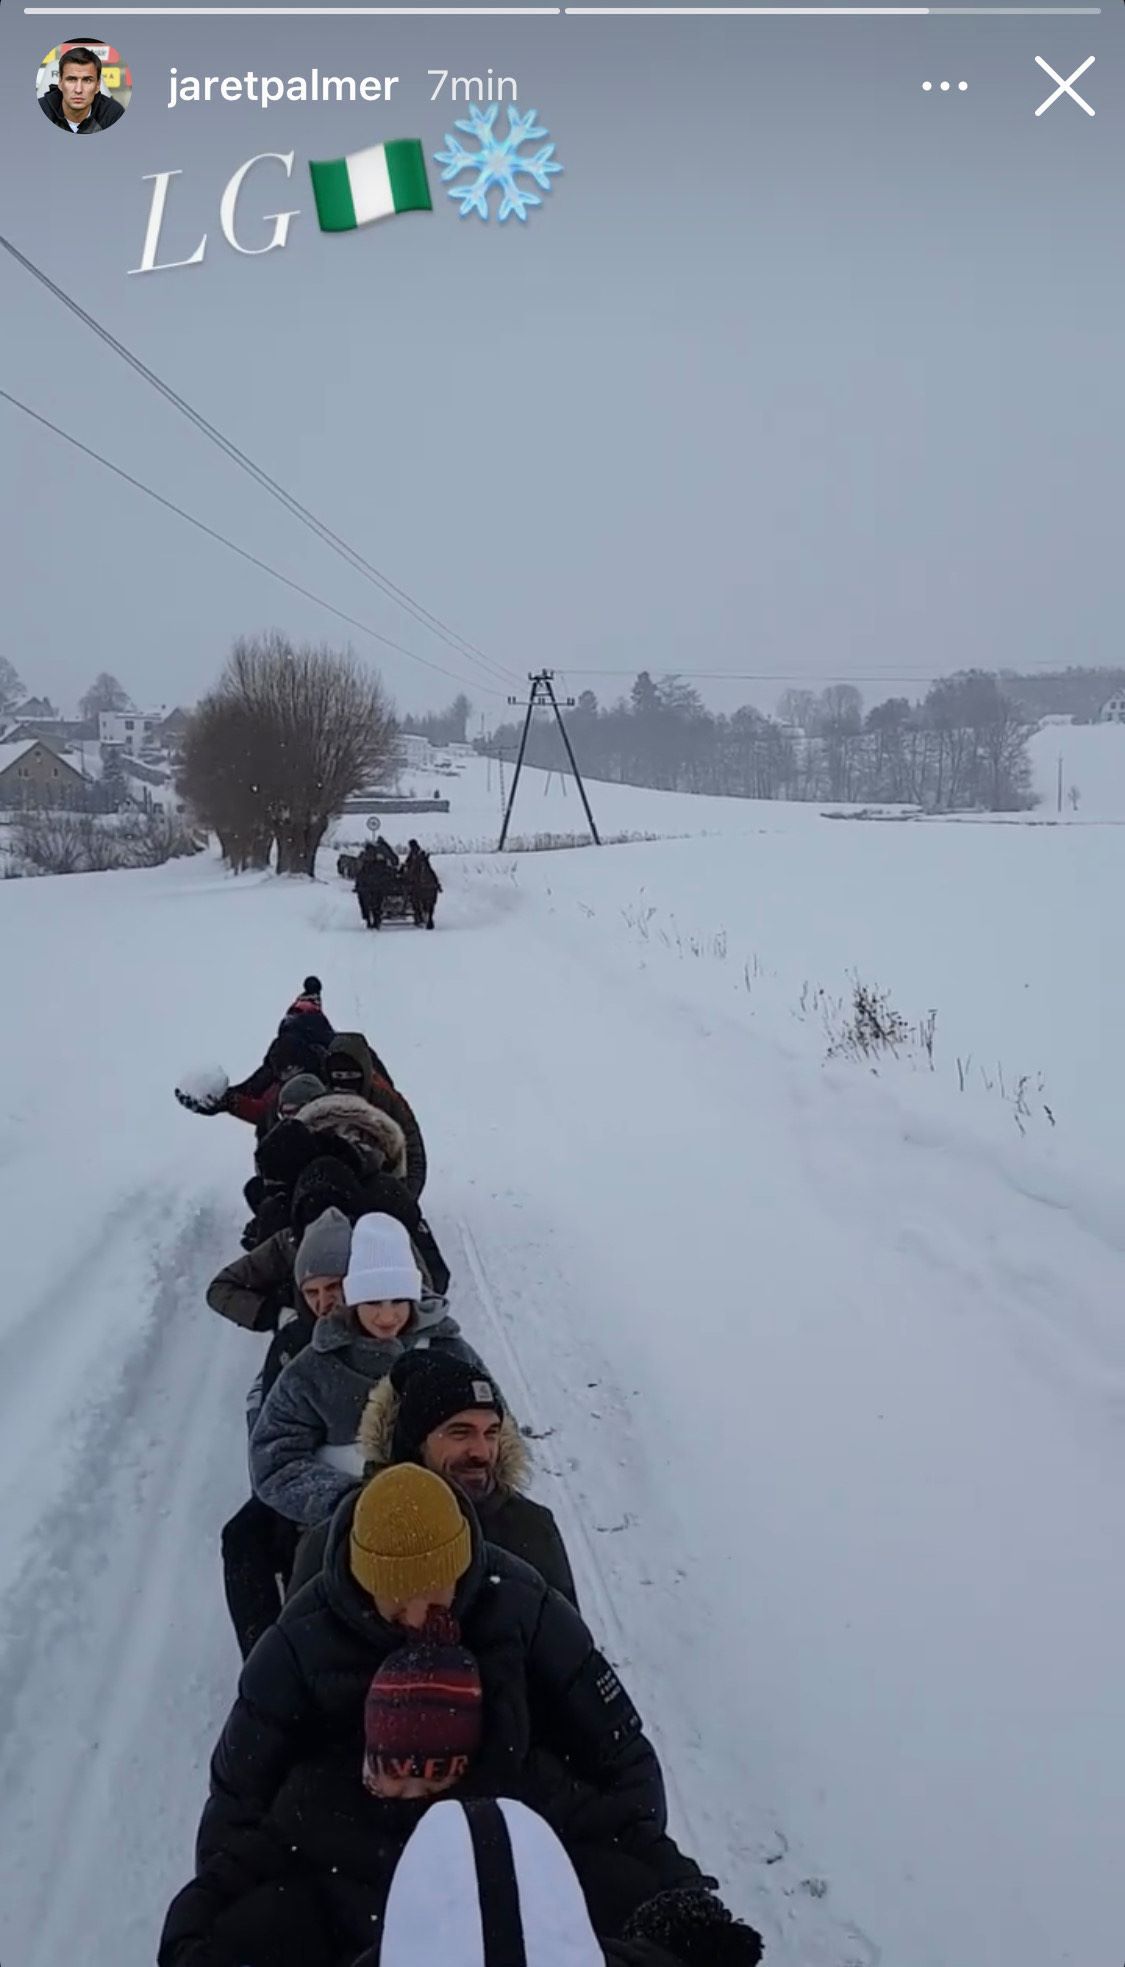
(287, 737)
(220, 776)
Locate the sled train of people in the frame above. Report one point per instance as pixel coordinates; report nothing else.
(429, 1758)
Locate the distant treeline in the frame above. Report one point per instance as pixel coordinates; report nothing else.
(963, 747)
(1077, 693)
(450, 726)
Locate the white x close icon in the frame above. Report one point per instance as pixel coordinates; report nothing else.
(1064, 88)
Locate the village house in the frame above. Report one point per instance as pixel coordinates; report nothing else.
(133, 730)
(58, 732)
(1113, 712)
(36, 710)
(33, 774)
(413, 752)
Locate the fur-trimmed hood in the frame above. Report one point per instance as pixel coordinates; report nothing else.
(364, 1126)
(376, 1430)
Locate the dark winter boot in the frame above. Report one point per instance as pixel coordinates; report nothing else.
(250, 1573)
(696, 1929)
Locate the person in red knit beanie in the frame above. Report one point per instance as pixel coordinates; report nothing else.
(423, 1718)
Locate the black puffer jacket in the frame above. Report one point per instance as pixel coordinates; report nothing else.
(255, 1289)
(325, 1832)
(545, 1683)
(618, 1953)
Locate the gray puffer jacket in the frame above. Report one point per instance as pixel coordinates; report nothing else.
(304, 1449)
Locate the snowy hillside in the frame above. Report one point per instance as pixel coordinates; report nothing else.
(828, 1361)
(1093, 760)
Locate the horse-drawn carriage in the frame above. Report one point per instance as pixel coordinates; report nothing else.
(390, 890)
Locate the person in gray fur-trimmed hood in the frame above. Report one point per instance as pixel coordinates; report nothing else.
(304, 1451)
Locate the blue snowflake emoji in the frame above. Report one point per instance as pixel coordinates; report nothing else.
(497, 162)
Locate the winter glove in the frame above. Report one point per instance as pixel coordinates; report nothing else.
(696, 1928)
(208, 1104)
(205, 1091)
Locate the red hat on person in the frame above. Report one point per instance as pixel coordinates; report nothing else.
(423, 1716)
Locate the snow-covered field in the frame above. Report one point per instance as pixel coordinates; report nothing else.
(1093, 762)
(829, 1362)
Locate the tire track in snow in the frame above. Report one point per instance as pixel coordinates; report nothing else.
(50, 1356)
(791, 1899)
(111, 1635)
(86, 1410)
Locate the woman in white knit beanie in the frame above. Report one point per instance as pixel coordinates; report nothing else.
(304, 1451)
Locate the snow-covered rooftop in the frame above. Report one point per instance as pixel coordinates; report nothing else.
(10, 754)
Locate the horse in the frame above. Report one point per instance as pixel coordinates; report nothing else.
(423, 888)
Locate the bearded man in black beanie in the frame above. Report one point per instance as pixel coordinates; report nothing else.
(452, 1419)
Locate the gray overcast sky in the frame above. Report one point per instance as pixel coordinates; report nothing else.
(799, 369)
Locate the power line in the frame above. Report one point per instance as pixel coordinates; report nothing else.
(242, 552)
(467, 650)
(796, 678)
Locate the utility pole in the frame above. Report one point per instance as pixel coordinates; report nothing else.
(543, 695)
(1058, 807)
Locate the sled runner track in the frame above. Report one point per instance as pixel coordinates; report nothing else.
(786, 1896)
(591, 1571)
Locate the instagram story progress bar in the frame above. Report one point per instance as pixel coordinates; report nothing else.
(683, 13)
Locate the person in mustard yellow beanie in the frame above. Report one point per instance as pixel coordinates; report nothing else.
(353, 1713)
(409, 1544)
(554, 1714)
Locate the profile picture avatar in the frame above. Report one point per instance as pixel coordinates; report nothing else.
(83, 87)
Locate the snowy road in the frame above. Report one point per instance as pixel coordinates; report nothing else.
(829, 1385)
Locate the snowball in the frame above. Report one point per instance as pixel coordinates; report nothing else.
(208, 1082)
